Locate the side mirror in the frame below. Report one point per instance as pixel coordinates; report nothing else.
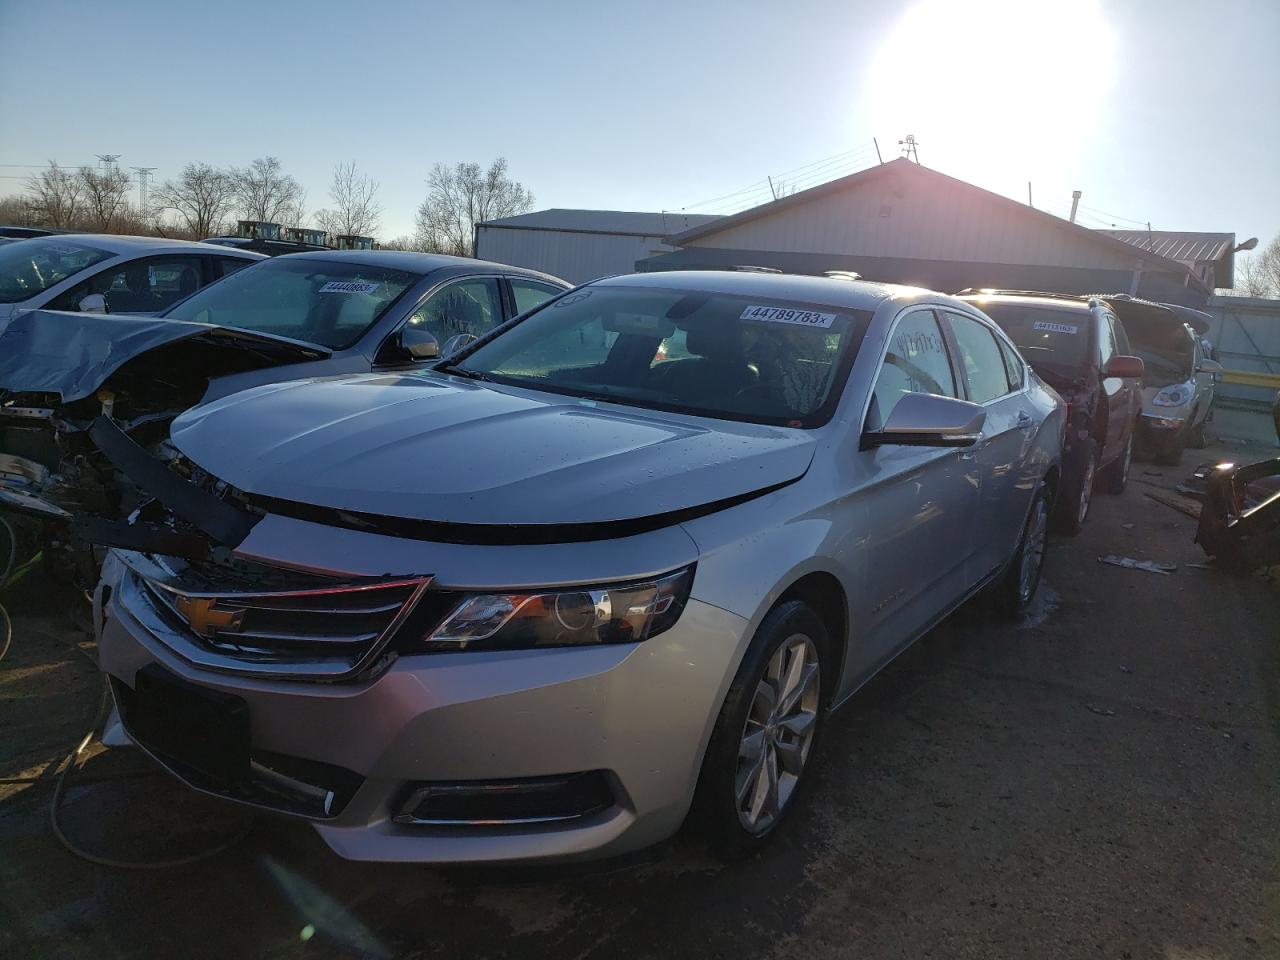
(456, 343)
(1211, 366)
(1126, 368)
(923, 420)
(93, 303)
(419, 343)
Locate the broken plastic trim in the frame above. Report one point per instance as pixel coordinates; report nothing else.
(143, 537)
(216, 518)
(501, 535)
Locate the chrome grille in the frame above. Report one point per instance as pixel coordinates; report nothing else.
(322, 629)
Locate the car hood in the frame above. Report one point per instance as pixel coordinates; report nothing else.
(73, 354)
(430, 447)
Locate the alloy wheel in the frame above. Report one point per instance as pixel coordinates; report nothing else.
(1033, 550)
(1086, 492)
(778, 733)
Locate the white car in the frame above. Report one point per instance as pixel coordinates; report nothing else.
(99, 273)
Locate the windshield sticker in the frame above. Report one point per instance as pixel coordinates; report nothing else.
(1051, 327)
(349, 286)
(803, 318)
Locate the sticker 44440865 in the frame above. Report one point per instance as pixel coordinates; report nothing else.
(349, 286)
(802, 318)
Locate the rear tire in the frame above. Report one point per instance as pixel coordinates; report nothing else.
(764, 739)
(1017, 587)
(1116, 476)
(1077, 494)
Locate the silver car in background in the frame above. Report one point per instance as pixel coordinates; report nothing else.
(612, 563)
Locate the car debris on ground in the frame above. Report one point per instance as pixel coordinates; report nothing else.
(1150, 566)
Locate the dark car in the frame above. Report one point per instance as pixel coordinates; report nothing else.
(1079, 348)
(272, 248)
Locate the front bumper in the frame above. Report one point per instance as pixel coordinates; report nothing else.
(640, 713)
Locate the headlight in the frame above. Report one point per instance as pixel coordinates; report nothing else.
(1174, 395)
(614, 613)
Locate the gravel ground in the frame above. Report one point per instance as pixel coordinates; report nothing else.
(1102, 780)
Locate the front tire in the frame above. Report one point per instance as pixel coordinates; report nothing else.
(1077, 495)
(764, 739)
(1017, 587)
(1116, 477)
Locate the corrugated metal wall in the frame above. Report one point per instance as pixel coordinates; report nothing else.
(1246, 336)
(896, 218)
(576, 257)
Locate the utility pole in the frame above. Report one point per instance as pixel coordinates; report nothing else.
(771, 187)
(107, 161)
(877, 143)
(1029, 203)
(1075, 202)
(909, 148)
(143, 173)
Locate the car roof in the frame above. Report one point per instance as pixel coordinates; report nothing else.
(831, 291)
(124, 245)
(1064, 302)
(422, 263)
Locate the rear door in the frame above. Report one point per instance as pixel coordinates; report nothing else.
(920, 501)
(1001, 454)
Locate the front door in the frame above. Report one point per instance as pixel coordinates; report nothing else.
(920, 503)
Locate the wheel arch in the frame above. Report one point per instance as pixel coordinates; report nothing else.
(823, 591)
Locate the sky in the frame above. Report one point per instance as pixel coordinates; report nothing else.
(1160, 111)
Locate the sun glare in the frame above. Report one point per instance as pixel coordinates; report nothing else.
(994, 82)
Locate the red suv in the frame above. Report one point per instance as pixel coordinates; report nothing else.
(1079, 348)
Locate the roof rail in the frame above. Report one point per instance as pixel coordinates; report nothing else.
(993, 291)
(842, 274)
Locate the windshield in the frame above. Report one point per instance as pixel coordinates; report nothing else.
(320, 301)
(28, 267)
(706, 354)
(1056, 339)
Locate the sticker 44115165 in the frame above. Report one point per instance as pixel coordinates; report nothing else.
(349, 286)
(802, 318)
(1048, 326)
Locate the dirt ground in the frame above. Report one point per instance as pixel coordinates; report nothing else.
(1102, 780)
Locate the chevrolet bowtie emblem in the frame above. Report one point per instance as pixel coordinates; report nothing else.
(206, 617)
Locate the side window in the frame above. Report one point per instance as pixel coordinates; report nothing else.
(1012, 364)
(229, 265)
(1106, 342)
(464, 306)
(1122, 338)
(530, 293)
(980, 358)
(916, 362)
(141, 286)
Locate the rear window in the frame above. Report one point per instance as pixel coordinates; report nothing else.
(1058, 339)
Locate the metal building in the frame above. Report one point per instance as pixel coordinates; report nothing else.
(580, 245)
(903, 223)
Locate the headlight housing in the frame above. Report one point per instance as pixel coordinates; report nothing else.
(570, 617)
(1174, 395)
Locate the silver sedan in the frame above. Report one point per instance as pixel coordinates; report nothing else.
(609, 566)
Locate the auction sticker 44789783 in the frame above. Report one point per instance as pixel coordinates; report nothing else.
(803, 318)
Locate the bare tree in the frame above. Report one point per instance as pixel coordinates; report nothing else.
(105, 193)
(201, 197)
(264, 191)
(355, 210)
(56, 195)
(462, 196)
(294, 213)
(1258, 273)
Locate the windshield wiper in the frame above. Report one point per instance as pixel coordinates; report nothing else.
(448, 367)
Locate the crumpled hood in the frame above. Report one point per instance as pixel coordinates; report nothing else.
(426, 446)
(73, 354)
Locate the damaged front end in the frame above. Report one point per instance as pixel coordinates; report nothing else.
(62, 373)
(1240, 516)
